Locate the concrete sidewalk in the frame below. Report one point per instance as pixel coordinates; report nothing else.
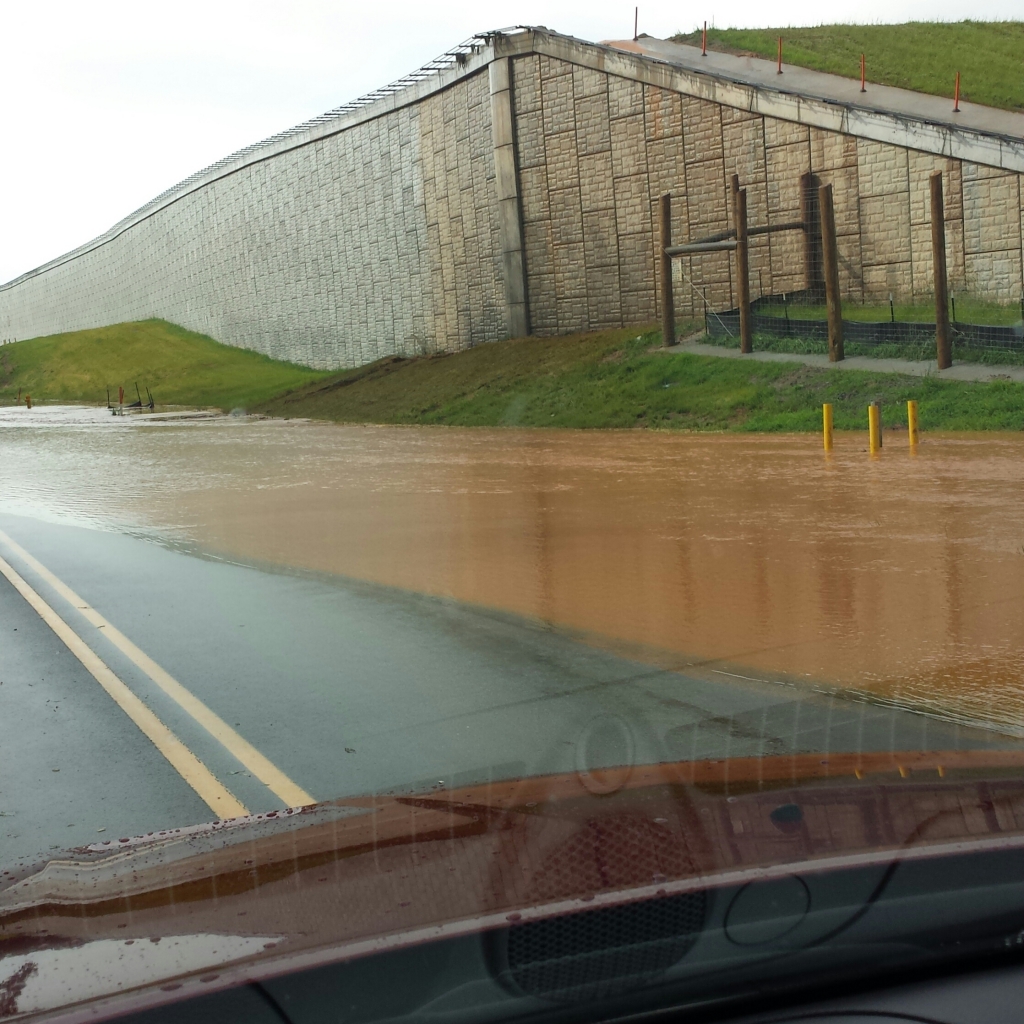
(910, 367)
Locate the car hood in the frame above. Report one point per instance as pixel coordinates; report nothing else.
(154, 917)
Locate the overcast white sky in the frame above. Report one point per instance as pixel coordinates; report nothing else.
(107, 103)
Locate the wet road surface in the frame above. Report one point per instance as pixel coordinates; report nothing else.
(901, 575)
(346, 687)
(292, 611)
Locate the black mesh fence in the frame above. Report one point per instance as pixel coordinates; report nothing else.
(784, 257)
(887, 332)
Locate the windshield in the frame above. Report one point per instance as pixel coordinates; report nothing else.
(591, 664)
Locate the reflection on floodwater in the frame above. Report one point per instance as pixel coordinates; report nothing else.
(901, 574)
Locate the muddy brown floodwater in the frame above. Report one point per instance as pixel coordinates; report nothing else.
(901, 574)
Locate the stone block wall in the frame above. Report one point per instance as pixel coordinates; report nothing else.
(377, 240)
(596, 151)
(519, 190)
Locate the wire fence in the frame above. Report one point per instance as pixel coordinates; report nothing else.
(990, 337)
(780, 278)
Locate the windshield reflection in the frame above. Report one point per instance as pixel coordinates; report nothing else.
(900, 576)
(729, 694)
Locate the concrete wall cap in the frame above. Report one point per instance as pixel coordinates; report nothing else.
(653, 62)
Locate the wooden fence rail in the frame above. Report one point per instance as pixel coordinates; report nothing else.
(821, 261)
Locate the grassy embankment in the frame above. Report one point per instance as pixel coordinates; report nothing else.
(923, 56)
(179, 367)
(613, 379)
(602, 379)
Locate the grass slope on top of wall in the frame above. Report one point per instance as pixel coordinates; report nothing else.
(614, 379)
(924, 56)
(180, 367)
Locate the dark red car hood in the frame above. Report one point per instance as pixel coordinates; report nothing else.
(212, 905)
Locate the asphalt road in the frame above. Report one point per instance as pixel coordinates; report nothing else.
(340, 687)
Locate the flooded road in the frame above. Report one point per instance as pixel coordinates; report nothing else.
(901, 575)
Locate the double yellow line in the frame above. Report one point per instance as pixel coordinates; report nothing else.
(184, 762)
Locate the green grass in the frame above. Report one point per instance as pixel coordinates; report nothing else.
(923, 56)
(179, 366)
(612, 379)
(604, 379)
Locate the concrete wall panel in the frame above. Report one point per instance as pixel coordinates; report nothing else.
(323, 255)
(408, 229)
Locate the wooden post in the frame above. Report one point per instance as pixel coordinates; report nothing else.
(739, 223)
(668, 308)
(830, 254)
(943, 346)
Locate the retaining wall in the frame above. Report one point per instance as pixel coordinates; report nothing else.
(377, 239)
(514, 191)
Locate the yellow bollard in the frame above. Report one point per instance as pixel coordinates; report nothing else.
(826, 421)
(912, 420)
(874, 428)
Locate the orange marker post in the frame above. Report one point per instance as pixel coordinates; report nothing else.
(780, 55)
(863, 77)
(704, 41)
(956, 95)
